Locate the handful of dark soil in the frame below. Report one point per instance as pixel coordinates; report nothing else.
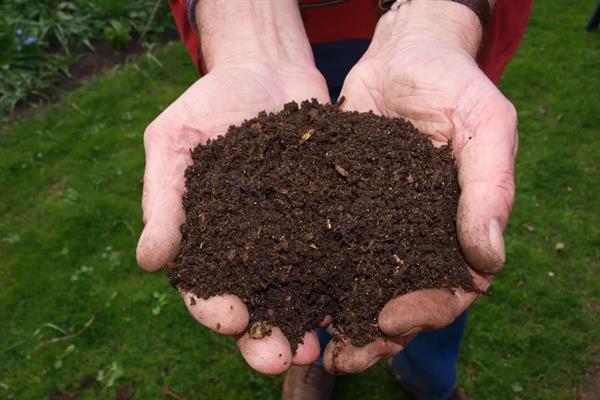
(312, 212)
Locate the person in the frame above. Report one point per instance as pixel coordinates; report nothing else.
(433, 62)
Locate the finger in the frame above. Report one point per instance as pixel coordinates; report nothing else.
(427, 309)
(270, 355)
(423, 309)
(167, 157)
(485, 154)
(225, 314)
(308, 351)
(341, 357)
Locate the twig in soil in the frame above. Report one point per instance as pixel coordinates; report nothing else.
(306, 136)
(340, 170)
(339, 102)
(169, 393)
(68, 337)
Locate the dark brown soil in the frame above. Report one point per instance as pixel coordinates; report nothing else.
(312, 212)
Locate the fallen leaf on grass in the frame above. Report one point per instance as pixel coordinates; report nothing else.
(516, 387)
(529, 227)
(11, 238)
(112, 374)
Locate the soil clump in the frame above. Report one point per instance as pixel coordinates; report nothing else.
(313, 211)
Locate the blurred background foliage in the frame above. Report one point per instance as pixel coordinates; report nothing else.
(41, 40)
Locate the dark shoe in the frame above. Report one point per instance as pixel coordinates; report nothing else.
(309, 382)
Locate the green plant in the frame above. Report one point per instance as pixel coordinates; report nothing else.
(40, 40)
(117, 34)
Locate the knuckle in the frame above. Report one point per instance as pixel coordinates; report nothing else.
(511, 111)
(151, 132)
(507, 113)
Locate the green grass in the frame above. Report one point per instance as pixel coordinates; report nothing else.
(69, 221)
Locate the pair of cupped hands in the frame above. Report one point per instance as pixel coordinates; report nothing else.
(432, 81)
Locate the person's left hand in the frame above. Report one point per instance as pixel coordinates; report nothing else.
(420, 66)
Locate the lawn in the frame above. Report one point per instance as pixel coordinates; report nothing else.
(70, 218)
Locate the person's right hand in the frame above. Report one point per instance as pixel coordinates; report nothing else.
(236, 88)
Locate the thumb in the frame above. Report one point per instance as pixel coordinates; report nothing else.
(485, 158)
(167, 157)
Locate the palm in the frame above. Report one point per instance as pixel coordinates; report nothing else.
(231, 94)
(204, 111)
(223, 97)
(437, 93)
(444, 97)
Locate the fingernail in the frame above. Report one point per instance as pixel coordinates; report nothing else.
(497, 242)
(412, 331)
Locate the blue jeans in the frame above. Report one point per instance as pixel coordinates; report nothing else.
(428, 364)
(595, 20)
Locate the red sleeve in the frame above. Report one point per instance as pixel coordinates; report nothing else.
(188, 36)
(503, 36)
(356, 19)
(352, 19)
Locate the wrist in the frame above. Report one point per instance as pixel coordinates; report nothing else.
(445, 23)
(252, 32)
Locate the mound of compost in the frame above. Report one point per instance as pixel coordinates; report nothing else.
(313, 211)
